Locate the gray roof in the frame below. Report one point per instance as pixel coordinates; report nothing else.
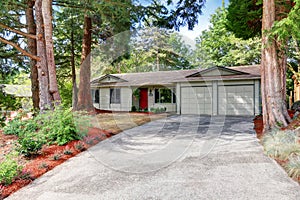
(171, 77)
(17, 90)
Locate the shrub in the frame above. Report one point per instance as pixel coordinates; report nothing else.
(68, 151)
(133, 109)
(281, 144)
(293, 167)
(30, 143)
(9, 169)
(17, 126)
(14, 127)
(56, 156)
(60, 126)
(79, 146)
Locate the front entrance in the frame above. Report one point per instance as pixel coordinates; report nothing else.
(144, 98)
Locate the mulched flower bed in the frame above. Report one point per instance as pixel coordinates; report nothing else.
(50, 157)
(258, 127)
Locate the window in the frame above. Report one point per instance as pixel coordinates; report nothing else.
(96, 97)
(165, 95)
(115, 96)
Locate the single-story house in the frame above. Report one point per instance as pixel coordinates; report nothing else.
(212, 91)
(23, 92)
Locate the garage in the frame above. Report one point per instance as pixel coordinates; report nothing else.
(236, 100)
(196, 100)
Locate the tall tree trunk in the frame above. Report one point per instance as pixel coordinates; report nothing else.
(31, 29)
(84, 94)
(74, 85)
(47, 18)
(273, 70)
(43, 75)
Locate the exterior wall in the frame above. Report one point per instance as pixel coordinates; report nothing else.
(170, 107)
(202, 97)
(104, 100)
(217, 73)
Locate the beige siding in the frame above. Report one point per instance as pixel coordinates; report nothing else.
(170, 107)
(217, 73)
(104, 98)
(126, 99)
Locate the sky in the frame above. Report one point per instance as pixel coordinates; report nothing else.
(203, 23)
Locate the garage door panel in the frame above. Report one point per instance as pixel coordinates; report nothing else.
(236, 100)
(196, 100)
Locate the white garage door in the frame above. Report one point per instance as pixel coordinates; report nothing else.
(196, 100)
(236, 100)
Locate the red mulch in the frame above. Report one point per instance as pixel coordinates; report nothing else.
(258, 124)
(37, 166)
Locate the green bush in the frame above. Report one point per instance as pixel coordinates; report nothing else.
(133, 109)
(9, 169)
(51, 127)
(30, 143)
(60, 126)
(14, 127)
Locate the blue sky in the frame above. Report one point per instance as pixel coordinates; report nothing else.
(210, 7)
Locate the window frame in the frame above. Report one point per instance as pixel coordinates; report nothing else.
(158, 99)
(115, 96)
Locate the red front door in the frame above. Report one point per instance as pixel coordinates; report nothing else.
(144, 98)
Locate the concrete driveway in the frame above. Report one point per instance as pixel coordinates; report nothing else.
(181, 157)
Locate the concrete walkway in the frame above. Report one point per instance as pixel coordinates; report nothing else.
(181, 157)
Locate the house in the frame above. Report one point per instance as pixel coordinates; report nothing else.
(22, 92)
(212, 91)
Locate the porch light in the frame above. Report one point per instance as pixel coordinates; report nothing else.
(150, 93)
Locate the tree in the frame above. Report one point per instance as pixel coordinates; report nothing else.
(47, 19)
(219, 47)
(273, 66)
(273, 59)
(84, 98)
(31, 43)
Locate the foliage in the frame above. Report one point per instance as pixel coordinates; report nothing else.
(244, 18)
(158, 110)
(219, 47)
(17, 126)
(9, 169)
(68, 151)
(56, 156)
(79, 146)
(133, 109)
(8, 102)
(59, 126)
(30, 143)
(281, 144)
(293, 167)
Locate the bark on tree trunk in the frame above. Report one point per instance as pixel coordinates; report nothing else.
(43, 76)
(74, 85)
(273, 69)
(31, 29)
(47, 19)
(84, 93)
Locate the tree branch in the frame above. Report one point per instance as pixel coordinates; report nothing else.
(24, 52)
(17, 31)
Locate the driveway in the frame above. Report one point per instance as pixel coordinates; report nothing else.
(180, 157)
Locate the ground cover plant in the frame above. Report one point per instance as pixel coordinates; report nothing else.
(283, 145)
(35, 148)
